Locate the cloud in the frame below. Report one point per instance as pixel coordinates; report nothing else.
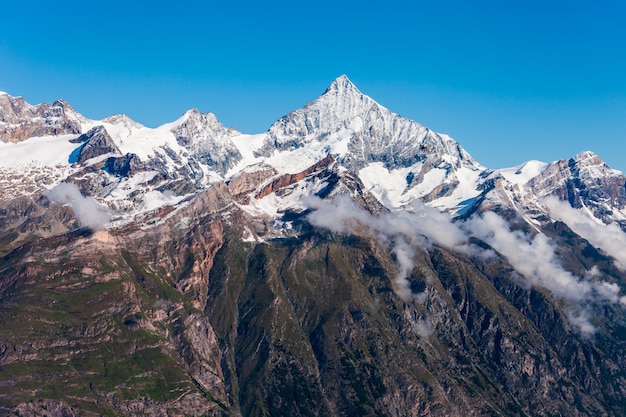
(532, 256)
(87, 210)
(403, 231)
(581, 322)
(424, 328)
(535, 258)
(608, 237)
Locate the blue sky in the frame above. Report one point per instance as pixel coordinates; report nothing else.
(511, 81)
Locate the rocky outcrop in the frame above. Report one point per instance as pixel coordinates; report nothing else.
(584, 180)
(248, 182)
(208, 140)
(288, 179)
(20, 120)
(124, 166)
(95, 143)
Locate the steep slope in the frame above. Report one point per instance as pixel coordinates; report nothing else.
(19, 120)
(399, 159)
(183, 315)
(585, 181)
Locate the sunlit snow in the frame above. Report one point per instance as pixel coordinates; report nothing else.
(522, 173)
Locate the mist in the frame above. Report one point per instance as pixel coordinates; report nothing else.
(535, 258)
(87, 210)
(419, 226)
(403, 231)
(608, 237)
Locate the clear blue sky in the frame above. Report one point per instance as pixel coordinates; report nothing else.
(511, 81)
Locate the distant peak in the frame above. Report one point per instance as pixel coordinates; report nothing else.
(194, 111)
(122, 119)
(62, 103)
(342, 84)
(198, 116)
(587, 158)
(585, 155)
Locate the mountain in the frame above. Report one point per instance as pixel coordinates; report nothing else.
(348, 261)
(19, 120)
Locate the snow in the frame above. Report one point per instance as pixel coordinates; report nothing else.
(273, 205)
(45, 151)
(289, 161)
(247, 145)
(156, 199)
(387, 186)
(390, 186)
(138, 139)
(523, 173)
(464, 194)
(130, 185)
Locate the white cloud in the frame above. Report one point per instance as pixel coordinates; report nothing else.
(608, 237)
(87, 210)
(535, 258)
(424, 328)
(403, 231)
(532, 256)
(581, 322)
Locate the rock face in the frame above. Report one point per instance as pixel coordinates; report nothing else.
(584, 180)
(124, 166)
(205, 137)
(19, 120)
(289, 179)
(96, 142)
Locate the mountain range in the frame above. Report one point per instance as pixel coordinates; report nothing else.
(348, 261)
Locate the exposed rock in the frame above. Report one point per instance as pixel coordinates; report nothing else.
(96, 142)
(20, 120)
(289, 179)
(124, 166)
(584, 180)
(208, 140)
(249, 181)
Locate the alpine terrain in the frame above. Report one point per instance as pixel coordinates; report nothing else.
(346, 262)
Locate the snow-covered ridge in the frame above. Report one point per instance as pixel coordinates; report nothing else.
(398, 160)
(521, 174)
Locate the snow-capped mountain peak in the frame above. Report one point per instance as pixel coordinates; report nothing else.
(342, 87)
(124, 120)
(388, 150)
(399, 161)
(20, 120)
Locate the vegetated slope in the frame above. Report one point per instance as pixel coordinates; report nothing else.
(187, 318)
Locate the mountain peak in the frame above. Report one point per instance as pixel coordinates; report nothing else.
(342, 86)
(587, 158)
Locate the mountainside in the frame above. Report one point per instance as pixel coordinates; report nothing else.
(348, 261)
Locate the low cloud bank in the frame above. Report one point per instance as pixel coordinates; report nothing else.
(608, 237)
(533, 256)
(536, 259)
(87, 210)
(403, 231)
